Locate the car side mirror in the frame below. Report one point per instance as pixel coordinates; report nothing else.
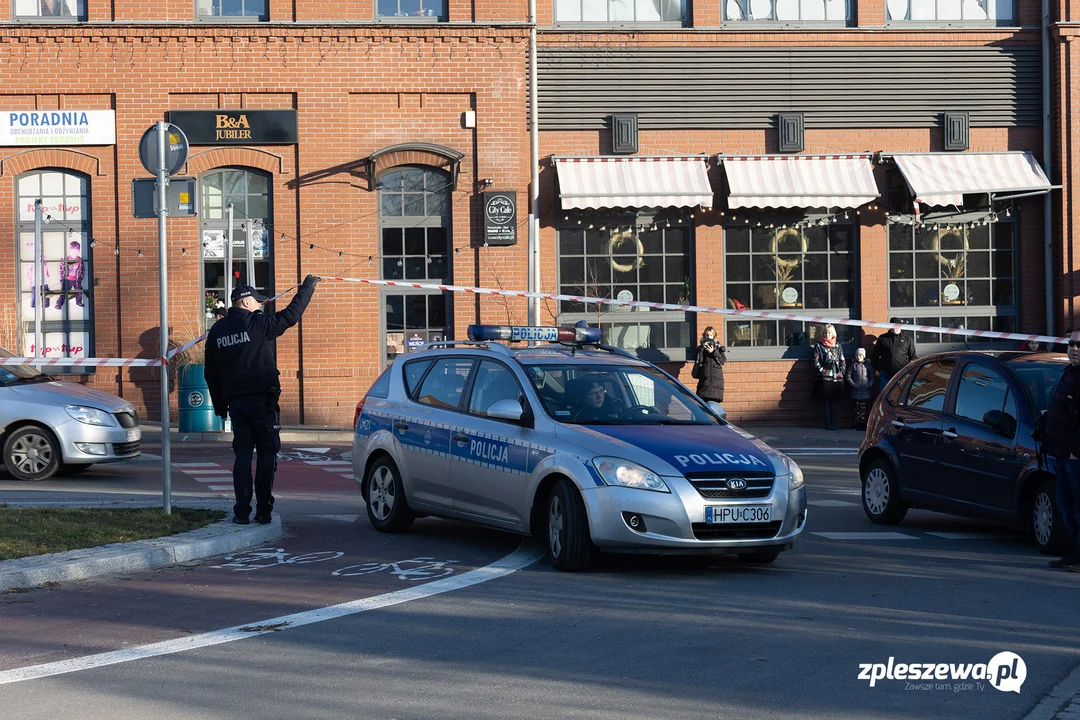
(717, 409)
(506, 410)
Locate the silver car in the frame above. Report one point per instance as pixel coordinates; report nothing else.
(49, 426)
(586, 448)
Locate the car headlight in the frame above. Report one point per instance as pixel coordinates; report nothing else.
(90, 416)
(623, 473)
(794, 473)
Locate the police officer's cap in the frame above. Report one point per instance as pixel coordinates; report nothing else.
(243, 291)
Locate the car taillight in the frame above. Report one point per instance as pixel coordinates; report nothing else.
(359, 409)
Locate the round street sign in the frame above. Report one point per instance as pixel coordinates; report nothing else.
(176, 150)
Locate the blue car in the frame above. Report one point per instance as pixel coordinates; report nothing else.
(583, 446)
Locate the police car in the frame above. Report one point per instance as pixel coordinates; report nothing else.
(581, 445)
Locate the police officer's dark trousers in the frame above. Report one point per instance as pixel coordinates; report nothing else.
(256, 427)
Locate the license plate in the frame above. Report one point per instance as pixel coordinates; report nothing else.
(132, 435)
(738, 514)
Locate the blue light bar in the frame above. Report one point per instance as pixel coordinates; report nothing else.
(526, 333)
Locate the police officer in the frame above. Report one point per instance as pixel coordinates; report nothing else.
(243, 380)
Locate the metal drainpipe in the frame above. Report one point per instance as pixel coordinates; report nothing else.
(1048, 234)
(534, 174)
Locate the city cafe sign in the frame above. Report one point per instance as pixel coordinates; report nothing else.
(237, 127)
(57, 127)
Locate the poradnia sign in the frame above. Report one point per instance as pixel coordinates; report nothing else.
(57, 127)
(500, 218)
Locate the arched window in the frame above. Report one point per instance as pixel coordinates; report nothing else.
(415, 245)
(249, 194)
(64, 300)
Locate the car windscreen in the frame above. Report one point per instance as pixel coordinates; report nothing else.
(1040, 380)
(598, 394)
(10, 374)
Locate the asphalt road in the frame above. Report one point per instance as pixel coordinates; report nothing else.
(639, 637)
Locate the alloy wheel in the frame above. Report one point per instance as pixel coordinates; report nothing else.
(1043, 520)
(381, 494)
(555, 525)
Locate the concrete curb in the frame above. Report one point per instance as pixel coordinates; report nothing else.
(216, 539)
(1061, 703)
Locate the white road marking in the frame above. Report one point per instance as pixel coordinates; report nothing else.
(215, 478)
(342, 518)
(822, 453)
(348, 476)
(843, 492)
(319, 450)
(323, 463)
(864, 536)
(194, 465)
(221, 487)
(831, 503)
(517, 560)
(215, 471)
(965, 535)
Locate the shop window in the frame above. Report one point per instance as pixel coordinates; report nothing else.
(231, 9)
(414, 245)
(793, 11)
(630, 262)
(1001, 12)
(430, 10)
(799, 270)
(64, 302)
(954, 276)
(49, 10)
(620, 11)
(249, 194)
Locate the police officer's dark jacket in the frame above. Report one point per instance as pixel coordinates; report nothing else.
(239, 357)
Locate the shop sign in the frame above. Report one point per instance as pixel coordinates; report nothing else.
(57, 127)
(237, 127)
(500, 218)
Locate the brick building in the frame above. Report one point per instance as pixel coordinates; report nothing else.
(756, 153)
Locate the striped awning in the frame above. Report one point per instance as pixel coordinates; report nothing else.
(590, 183)
(799, 181)
(939, 179)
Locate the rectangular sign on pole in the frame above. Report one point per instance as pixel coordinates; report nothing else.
(57, 127)
(180, 197)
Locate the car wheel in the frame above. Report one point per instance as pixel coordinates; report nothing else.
(759, 558)
(30, 453)
(881, 494)
(569, 543)
(1047, 526)
(74, 468)
(387, 508)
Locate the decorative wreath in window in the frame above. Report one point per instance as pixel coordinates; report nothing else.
(785, 267)
(618, 239)
(953, 267)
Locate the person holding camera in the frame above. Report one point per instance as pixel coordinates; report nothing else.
(708, 367)
(242, 375)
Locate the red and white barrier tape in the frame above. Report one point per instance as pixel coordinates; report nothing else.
(761, 315)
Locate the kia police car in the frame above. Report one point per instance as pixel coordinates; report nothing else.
(583, 446)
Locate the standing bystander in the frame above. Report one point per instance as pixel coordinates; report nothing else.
(892, 352)
(1061, 440)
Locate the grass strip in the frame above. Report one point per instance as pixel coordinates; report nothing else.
(37, 531)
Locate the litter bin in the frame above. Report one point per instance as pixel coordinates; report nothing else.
(196, 409)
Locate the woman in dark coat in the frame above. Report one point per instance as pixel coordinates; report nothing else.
(860, 382)
(709, 367)
(830, 366)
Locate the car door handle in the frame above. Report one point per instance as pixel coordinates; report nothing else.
(460, 436)
(951, 434)
(899, 423)
(401, 425)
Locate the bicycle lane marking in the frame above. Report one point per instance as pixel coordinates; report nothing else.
(517, 560)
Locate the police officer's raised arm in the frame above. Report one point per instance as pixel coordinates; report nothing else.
(277, 323)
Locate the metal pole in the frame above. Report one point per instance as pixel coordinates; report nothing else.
(163, 285)
(249, 252)
(228, 255)
(534, 174)
(1048, 165)
(39, 295)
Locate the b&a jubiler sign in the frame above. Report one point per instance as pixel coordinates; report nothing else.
(237, 127)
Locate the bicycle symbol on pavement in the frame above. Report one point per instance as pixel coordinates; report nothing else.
(420, 568)
(260, 558)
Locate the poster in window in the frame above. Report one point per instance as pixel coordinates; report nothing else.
(214, 244)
